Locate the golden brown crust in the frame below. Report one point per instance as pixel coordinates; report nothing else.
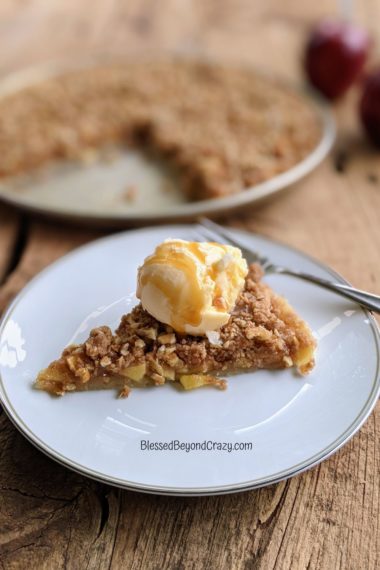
(263, 332)
(224, 129)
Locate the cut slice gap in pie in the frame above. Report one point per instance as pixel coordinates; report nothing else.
(263, 331)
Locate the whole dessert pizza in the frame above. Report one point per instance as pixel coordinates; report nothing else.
(221, 128)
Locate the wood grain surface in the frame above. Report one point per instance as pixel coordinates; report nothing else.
(327, 518)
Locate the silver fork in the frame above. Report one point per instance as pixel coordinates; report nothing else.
(211, 231)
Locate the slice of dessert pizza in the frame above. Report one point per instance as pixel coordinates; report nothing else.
(203, 313)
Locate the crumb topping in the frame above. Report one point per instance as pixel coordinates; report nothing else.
(263, 332)
(223, 128)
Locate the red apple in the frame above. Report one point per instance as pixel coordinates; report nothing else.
(370, 106)
(335, 56)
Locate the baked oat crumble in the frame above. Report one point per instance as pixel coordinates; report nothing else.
(222, 128)
(263, 332)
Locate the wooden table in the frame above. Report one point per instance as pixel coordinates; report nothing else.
(327, 518)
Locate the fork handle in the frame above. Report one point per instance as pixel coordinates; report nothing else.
(367, 300)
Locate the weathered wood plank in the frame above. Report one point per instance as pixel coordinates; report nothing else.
(9, 231)
(324, 519)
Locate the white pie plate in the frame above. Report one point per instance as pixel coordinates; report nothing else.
(292, 422)
(95, 193)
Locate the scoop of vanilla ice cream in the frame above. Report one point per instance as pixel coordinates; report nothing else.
(191, 286)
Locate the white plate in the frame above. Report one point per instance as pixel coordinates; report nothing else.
(96, 193)
(293, 423)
